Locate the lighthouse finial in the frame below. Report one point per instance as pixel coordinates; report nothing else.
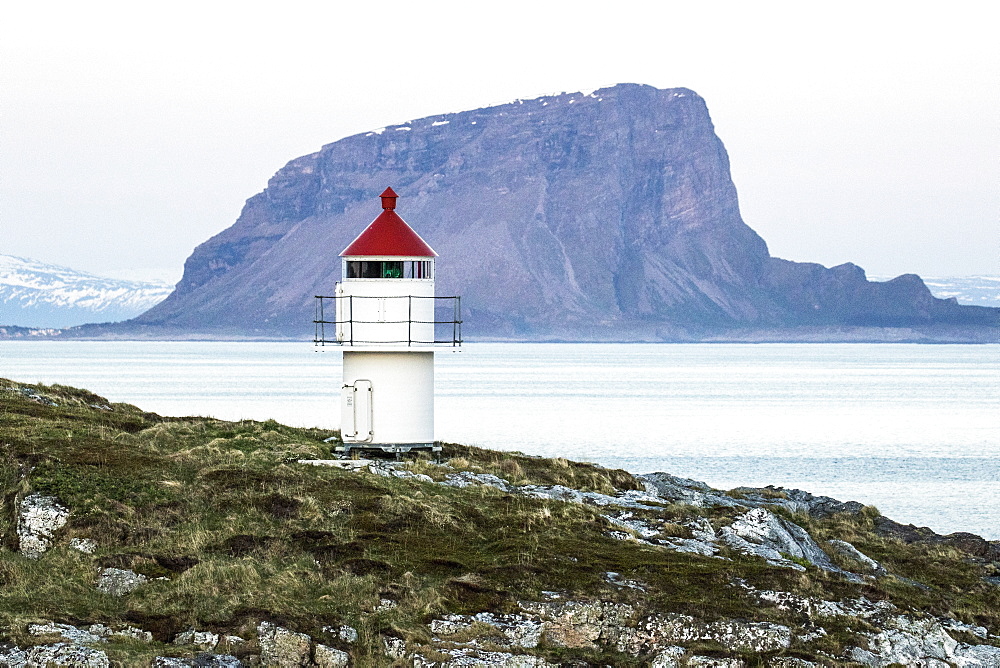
(388, 199)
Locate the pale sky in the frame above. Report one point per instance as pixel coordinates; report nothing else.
(857, 131)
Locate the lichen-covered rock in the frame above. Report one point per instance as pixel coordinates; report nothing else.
(685, 490)
(851, 552)
(348, 634)
(920, 642)
(201, 639)
(171, 662)
(126, 631)
(38, 519)
(481, 659)
(59, 654)
(118, 582)
(281, 647)
(85, 545)
(669, 657)
(579, 624)
(816, 608)
(657, 632)
(67, 632)
(395, 648)
(511, 630)
(328, 657)
(203, 660)
(762, 533)
(715, 662)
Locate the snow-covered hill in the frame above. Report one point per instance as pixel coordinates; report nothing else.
(35, 294)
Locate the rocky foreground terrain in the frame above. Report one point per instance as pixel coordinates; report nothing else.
(139, 540)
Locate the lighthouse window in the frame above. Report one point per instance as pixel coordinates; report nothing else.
(389, 269)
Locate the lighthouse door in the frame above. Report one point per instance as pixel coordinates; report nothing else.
(356, 412)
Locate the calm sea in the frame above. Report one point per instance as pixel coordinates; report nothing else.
(914, 430)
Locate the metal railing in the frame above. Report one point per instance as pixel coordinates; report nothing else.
(349, 339)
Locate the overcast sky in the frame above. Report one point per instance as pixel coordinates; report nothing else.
(857, 131)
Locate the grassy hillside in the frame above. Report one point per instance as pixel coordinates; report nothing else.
(231, 530)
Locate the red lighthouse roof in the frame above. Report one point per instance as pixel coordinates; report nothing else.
(389, 235)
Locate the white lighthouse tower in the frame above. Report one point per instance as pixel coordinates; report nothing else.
(388, 322)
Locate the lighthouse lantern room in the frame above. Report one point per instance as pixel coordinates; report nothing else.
(388, 321)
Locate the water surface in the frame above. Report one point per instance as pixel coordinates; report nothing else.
(914, 430)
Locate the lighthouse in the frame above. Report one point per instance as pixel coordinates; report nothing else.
(388, 322)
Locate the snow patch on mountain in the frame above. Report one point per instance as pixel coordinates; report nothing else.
(35, 294)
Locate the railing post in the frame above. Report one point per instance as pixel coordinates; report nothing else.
(322, 325)
(351, 307)
(409, 321)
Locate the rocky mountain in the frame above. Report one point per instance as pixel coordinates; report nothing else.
(609, 215)
(974, 290)
(38, 295)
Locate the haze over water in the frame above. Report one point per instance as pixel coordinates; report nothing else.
(914, 430)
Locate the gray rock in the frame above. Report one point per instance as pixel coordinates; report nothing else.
(817, 608)
(791, 662)
(463, 656)
(39, 517)
(68, 632)
(659, 631)
(816, 506)
(204, 659)
(764, 534)
(348, 634)
(217, 660)
(119, 582)
(921, 642)
(281, 647)
(579, 623)
(395, 648)
(954, 625)
(392, 470)
(685, 490)
(126, 631)
(669, 657)
(617, 580)
(464, 479)
(59, 654)
(171, 662)
(976, 655)
(328, 657)
(201, 639)
(626, 520)
(851, 552)
(513, 630)
(691, 546)
(715, 662)
(84, 545)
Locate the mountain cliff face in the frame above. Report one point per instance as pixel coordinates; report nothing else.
(608, 215)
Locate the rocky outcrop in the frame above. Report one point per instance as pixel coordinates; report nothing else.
(39, 518)
(779, 541)
(118, 581)
(610, 215)
(58, 654)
